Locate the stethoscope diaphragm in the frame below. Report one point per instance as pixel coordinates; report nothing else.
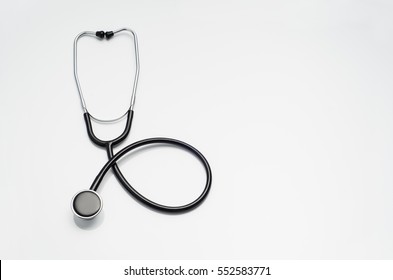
(86, 204)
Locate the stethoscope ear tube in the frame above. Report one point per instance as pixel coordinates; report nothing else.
(100, 35)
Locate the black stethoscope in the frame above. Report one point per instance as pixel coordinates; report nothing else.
(87, 204)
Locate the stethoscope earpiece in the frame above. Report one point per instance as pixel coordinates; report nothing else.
(86, 204)
(107, 35)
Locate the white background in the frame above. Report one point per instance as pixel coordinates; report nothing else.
(290, 101)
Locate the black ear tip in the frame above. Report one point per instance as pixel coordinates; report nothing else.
(100, 34)
(109, 34)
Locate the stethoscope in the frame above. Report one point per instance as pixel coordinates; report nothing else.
(87, 204)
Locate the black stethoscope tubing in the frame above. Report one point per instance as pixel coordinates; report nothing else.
(113, 158)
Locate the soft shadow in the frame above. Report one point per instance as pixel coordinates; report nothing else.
(90, 224)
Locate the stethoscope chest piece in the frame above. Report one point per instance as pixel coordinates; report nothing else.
(86, 204)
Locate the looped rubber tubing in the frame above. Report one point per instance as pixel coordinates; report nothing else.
(112, 163)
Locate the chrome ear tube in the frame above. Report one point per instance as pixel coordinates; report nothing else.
(108, 35)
